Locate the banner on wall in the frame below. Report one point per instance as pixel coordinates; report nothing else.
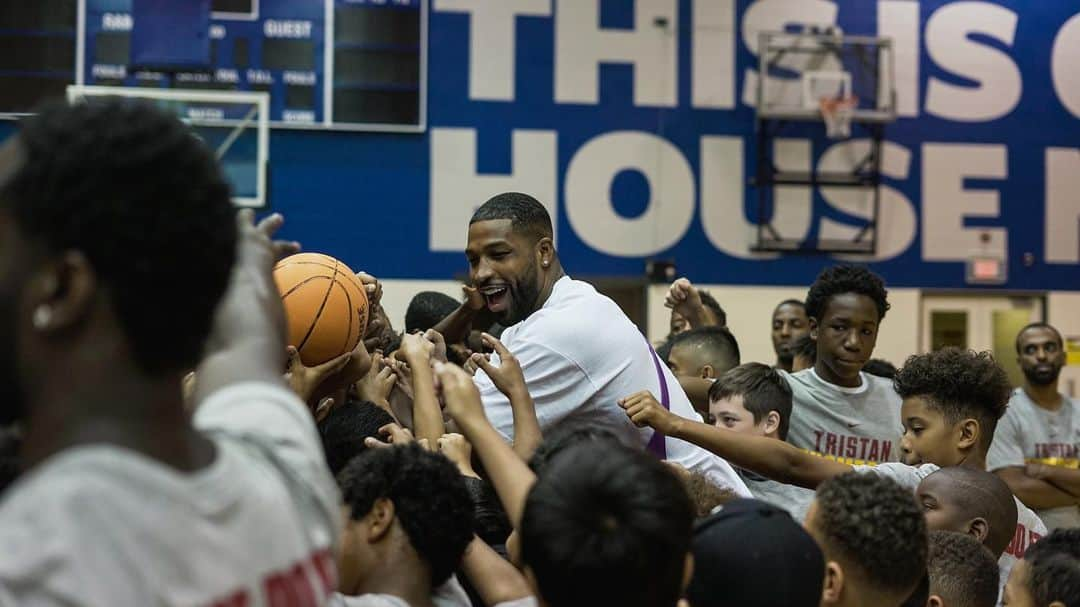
(633, 122)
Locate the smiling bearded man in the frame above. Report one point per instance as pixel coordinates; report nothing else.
(580, 354)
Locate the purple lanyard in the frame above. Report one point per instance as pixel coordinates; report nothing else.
(657, 445)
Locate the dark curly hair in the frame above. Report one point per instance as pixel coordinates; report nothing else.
(343, 431)
(578, 427)
(962, 571)
(607, 525)
(144, 200)
(1054, 568)
(842, 279)
(430, 501)
(960, 384)
(873, 524)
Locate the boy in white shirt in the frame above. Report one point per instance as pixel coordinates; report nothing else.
(117, 243)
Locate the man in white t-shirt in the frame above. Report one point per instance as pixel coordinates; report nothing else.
(1036, 448)
(578, 351)
(117, 244)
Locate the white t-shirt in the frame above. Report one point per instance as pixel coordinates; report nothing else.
(855, 426)
(386, 600)
(1029, 434)
(579, 352)
(101, 525)
(1029, 527)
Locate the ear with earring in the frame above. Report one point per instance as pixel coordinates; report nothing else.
(42, 317)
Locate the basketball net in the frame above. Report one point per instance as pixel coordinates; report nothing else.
(837, 112)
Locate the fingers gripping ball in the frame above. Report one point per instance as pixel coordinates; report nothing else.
(325, 306)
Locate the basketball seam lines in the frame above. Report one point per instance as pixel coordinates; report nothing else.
(348, 331)
(302, 283)
(322, 306)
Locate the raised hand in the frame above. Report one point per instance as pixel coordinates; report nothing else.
(458, 391)
(436, 339)
(457, 449)
(305, 381)
(473, 299)
(376, 385)
(395, 435)
(508, 376)
(416, 349)
(643, 409)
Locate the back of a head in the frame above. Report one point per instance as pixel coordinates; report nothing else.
(343, 431)
(747, 542)
(1053, 568)
(714, 346)
(430, 501)
(880, 368)
(762, 389)
(427, 309)
(574, 429)
(607, 525)
(841, 279)
(960, 384)
(527, 216)
(963, 573)
(875, 530)
(131, 188)
(979, 494)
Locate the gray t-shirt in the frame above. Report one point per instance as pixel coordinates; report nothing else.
(1029, 527)
(1029, 434)
(855, 426)
(796, 500)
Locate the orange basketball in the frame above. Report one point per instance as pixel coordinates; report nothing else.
(325, 305)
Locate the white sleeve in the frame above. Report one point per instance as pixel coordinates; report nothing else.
(558, 387)
(529, 601)
(277, 427)
(1006, 449)
(906, 476)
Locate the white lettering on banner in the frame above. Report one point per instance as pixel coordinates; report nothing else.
(227, 75)
(301, 78)
(283, 28)
(1062, 205)
(492, 42)
(899, 20)
(588, 194)
(713, 84)
(896, 222)
(581, 45)
(946, 203)
(723, 209)
(1063, 66)
(117, 22)
(773, 16)
(949, 45)
(457, 190)
(117, 72)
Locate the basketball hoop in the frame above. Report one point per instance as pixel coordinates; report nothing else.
(837, 112)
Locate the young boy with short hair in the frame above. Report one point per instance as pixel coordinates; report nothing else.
(962, 572)
(1049, 574)
(874, 539)
(754, 399)
(841, 412)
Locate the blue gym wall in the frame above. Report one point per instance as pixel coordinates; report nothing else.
(366, 197)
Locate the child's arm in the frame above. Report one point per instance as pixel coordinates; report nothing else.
(493, 577)
(769, 457)
(509, 475)
(427, 416)
(510, 380)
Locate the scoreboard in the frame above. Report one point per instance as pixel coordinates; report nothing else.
(327, 64)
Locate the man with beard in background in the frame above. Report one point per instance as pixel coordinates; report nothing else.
(1036, 448)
